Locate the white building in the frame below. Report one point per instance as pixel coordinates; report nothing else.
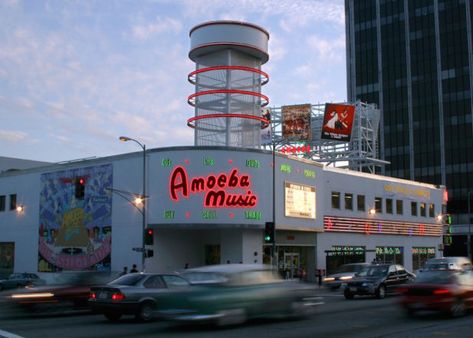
(209, 205)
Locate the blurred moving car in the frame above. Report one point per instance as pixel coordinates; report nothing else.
(448, 263)
(69, 290)
(233, 293)
(344, 273)
(377, 280)
(21, 280)
(449, 292)
(133, 294)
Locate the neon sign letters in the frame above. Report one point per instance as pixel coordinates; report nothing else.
(222, 190)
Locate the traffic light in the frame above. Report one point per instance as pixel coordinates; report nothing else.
(149, 253)
(149, 238)
(269, 232)
(79, 188)
(448, 219)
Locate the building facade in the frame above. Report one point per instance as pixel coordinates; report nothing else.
(414, 59)
(209, 205)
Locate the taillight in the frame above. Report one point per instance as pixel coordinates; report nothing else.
(438, 292)
(118, 296)
(92, 295)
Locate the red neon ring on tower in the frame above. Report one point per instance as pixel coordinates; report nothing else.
(243, 116)
(191, 98)
(191, 76)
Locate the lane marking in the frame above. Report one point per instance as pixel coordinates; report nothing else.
(6, 334)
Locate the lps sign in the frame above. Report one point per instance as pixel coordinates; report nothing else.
(224, 190)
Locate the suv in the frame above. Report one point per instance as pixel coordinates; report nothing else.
(377, 280)
(448, 263)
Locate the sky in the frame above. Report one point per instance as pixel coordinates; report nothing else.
(76, 75)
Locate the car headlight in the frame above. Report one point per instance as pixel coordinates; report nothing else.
(329, 279)
(33, 295)
(346, 277)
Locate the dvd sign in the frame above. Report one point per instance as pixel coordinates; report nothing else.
(338, 122)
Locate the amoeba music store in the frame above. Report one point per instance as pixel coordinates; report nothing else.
(209, 205)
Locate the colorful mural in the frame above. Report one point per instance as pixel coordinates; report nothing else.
(75, 219)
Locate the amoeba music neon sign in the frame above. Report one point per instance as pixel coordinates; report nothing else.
(223, 190)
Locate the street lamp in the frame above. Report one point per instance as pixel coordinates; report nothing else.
(141, 199)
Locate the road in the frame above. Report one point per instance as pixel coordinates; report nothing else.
(337, 317)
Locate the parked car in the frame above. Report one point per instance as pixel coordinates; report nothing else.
(133, 294)
(20, 280)
(377, 280)
(448, 263)
(343, 274)
(233, 293)
(444, 291)
(69, 290)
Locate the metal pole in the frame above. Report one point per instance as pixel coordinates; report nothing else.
(469, 226)
(273, 249)
(143, 199)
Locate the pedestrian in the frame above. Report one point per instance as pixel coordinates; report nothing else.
(125, 271)
(133, 269)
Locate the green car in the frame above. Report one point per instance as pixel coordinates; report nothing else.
(233, 293)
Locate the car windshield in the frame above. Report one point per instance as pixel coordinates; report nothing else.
(130, 280)
(373, 271)
(435, 277)
(351, 268)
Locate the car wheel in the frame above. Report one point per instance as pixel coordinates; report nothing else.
(458, 308)
(145, 313)
(112, 316)
(381, 292)
(232, 317)
(348, 294)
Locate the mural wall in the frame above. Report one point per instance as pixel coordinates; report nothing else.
(75, 219)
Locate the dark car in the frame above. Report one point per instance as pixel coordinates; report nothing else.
(233, 293)
(344, 273)
(378, 280)
(68, 290)
(134, 294)
(448, 292)
(20, 280)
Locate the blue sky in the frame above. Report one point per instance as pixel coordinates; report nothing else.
(75, 75)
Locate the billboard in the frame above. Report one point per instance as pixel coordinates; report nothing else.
(266, 127)
(296, 122)
(299, 200)
(338, 122)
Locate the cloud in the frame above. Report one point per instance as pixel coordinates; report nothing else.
(328, 50)
(13, 136)
(145, 31)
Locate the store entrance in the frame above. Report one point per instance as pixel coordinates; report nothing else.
(291, 265)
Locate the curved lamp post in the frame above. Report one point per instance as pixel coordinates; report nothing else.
(141, 199)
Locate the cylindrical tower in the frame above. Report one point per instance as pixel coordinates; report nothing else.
(228, 79)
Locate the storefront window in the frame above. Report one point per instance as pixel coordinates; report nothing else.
(349, 201)
(390, 254)
(389, 206)
(422, 210)
(431, 210)
(340, 255)
(399, 209)
(413, 208)
(378, 204)
(7, 258)
(335, 200)
(420, 255)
